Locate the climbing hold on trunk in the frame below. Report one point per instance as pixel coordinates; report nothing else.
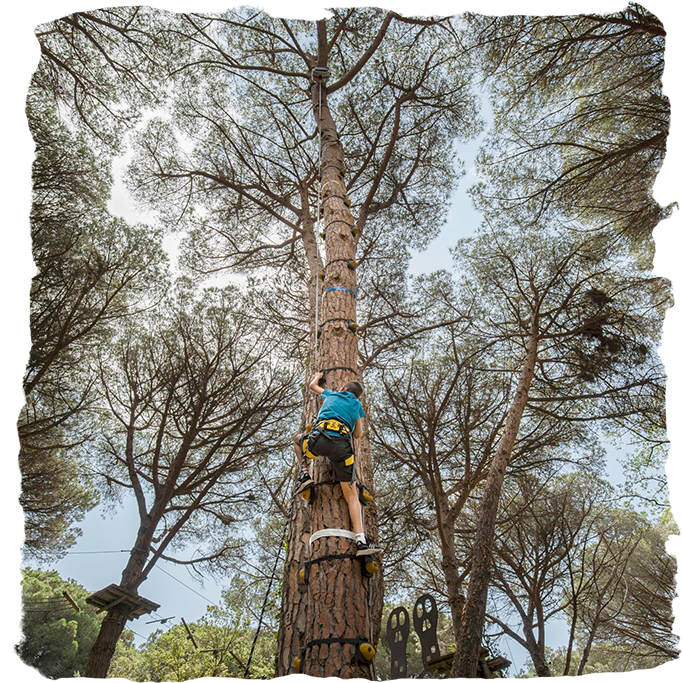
(371, 567)
(297, 664)
(366, 653)
(320, 73)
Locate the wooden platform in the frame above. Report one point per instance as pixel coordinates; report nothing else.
(487, 667)
(114, 595)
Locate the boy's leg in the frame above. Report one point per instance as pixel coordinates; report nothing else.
(297, 450)
(304, 480)
(351, 497)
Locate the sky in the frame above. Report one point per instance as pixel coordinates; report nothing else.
(101, 552)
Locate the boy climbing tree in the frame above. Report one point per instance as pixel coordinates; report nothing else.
(340, 418)
(291, 193)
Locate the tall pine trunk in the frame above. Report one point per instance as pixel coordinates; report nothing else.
(115, 620)
(474, 612)
(337, 601)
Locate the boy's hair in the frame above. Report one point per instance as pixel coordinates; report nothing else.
(354, 387)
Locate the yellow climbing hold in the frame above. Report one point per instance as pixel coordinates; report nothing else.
(371, 567)
(302, 574)
(306, 493)
(297, 664)
(367, 651)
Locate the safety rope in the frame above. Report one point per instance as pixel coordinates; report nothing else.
(270, 584)
(319, 209)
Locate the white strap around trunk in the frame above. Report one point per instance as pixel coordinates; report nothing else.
(344, 533)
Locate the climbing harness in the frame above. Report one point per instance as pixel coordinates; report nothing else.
(335, 427)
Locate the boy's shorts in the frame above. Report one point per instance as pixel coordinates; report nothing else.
(338, 449)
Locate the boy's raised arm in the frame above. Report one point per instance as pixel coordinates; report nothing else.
(358, 430)
(314, 386)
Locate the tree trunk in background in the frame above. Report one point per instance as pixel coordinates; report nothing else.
(537, 656)
(115, 620)
(103, 649)
(474, 612)
(339, 601)
(294, 601)
(456, 600)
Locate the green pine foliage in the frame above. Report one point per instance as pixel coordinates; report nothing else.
(56, 638)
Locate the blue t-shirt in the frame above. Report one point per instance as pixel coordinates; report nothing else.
(341, 405)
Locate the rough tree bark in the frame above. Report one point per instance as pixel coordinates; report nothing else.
(338, 602)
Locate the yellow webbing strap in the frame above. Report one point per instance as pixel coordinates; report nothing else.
(349, 460)
(304, 448)
(335, 426)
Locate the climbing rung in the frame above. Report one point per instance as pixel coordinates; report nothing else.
(343, 533)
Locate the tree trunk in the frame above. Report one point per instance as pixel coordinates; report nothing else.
(536, 650)
(586, 649)
(115, 620)
(103, 649)
(474, 612)
(446, 520)
(456, 600)
(340, 603)
(293, 611)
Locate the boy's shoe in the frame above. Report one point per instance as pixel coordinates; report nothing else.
(367, 548)
(303, 482)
